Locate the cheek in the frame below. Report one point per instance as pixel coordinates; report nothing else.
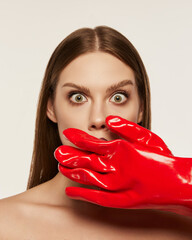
(133, 116)
(64, 122)
(62, 125)
(69, 117)
(129, 111)
(66, 141)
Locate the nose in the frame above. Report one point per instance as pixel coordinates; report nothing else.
(97, 118)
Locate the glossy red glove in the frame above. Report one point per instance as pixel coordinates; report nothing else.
(138, 172)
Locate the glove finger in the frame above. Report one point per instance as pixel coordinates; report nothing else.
(87, 142)
(135, 133)
(128, 199)
(85, 176)
(71, 157)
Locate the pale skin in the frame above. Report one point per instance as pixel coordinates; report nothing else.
(45, 212)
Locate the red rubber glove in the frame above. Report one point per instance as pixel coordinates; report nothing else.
(139, 172)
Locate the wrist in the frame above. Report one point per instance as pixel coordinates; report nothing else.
(180, 197)
(183, 167)
(173, 190)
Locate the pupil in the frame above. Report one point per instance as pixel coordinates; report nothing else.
(118, 98)
(78, 98)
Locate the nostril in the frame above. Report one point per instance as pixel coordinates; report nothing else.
(102, 126)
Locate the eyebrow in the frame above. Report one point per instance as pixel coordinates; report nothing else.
(109, 89)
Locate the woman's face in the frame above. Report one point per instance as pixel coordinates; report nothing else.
(90, 88)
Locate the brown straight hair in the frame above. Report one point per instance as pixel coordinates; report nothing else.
(102, 38)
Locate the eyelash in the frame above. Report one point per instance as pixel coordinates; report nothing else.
(70, 94)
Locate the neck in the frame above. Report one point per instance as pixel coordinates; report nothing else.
(58, 185)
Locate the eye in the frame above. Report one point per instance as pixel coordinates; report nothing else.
(119, 97)
(77, 98)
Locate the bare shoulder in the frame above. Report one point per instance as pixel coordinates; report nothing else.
(11, 216)
(29, 215)
(18, 213)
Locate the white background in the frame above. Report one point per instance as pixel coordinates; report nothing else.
(29, 32)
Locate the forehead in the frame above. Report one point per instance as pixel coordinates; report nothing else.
(97, 68)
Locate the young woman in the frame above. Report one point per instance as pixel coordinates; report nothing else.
(93, 73)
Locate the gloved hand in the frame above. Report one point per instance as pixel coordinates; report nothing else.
(138, 172)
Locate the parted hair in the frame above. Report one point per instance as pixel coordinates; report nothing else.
(102, 38)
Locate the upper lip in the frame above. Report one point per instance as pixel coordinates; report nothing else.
(102, 138)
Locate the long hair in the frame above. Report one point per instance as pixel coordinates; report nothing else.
(84, 40)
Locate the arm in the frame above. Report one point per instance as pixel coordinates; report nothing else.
(138, 172)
